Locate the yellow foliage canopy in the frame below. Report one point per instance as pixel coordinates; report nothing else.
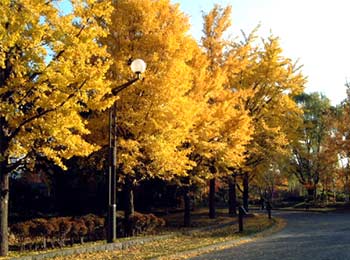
(155, 115)
(52, 67)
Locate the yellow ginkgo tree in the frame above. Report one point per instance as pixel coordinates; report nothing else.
(273, 80)
(52, 68)
(222, 127)
(263, 81)
(156, 114)
(229, 125)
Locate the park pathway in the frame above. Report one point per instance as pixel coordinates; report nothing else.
(307, 236)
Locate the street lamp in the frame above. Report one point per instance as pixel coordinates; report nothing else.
(138, 66)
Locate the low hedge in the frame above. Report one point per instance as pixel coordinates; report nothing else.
(42, 233)
(146, 223)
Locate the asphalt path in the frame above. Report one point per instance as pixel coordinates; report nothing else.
(307, 236)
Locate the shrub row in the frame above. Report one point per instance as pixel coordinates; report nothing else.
(54, 232)
(40, 233)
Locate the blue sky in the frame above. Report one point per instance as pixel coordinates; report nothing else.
(313, 31)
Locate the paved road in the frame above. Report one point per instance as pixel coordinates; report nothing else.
(307, 236)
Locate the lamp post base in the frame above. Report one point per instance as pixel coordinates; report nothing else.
(111, 223)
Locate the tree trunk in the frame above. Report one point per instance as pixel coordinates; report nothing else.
(311, 193)
(212, 212)
(187, 207)
(315, 194)
(232, 198)
(245, 191)
(129, 207)
(346, 190)
(4, 198)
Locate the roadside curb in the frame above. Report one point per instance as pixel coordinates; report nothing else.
(307, 210)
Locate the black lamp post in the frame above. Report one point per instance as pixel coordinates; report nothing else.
(138, 66)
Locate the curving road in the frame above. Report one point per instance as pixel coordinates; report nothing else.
(307, 236)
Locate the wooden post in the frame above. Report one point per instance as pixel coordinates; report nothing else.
(241, 213)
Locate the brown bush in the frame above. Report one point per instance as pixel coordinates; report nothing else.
(146, 223)
(58, 230)
(95, 226)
